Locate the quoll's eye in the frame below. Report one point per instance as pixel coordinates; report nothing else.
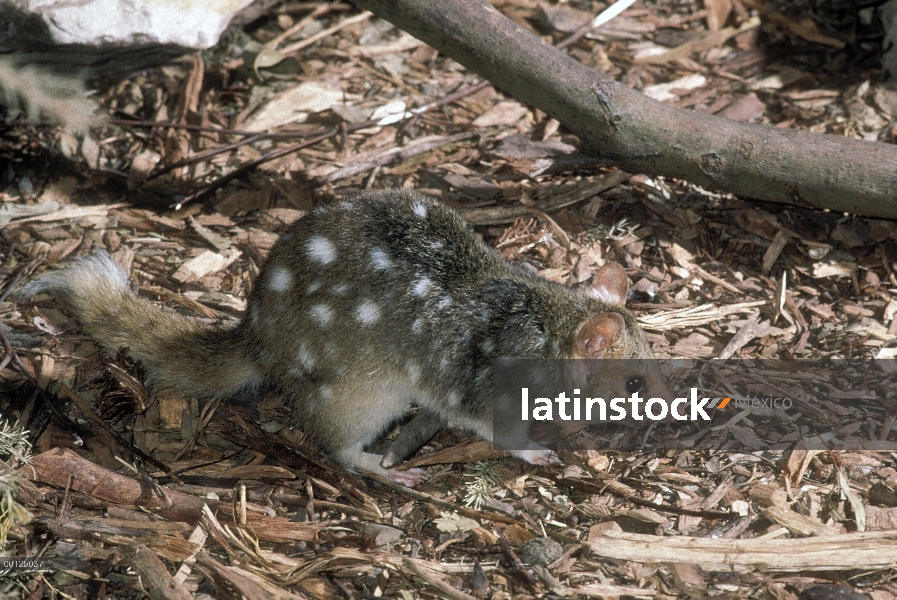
(635, 384)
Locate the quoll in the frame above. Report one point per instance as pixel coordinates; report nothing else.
(364, 307)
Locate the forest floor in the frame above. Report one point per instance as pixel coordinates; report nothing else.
(200, 165)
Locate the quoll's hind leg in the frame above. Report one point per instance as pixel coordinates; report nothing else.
(344, 416)
(412, 437)
(353, 414)
(356, 459)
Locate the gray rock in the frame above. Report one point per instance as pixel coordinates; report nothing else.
(541, 551)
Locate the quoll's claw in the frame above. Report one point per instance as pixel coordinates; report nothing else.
(358, 461)
(409, 478)
(543, 457)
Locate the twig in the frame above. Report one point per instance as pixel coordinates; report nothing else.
(246, 168)
(462, 93)
(463, 510)
(437, 583)
(340, 586)
(205, 154)
(391, 79)
(594, 487)
(170, 125)
(9, 288)
(326, 32)
(310, 505)
(382, 157)
(153, 572)
(317, 12)
(517, 567)
(498, 215)
(603, 17)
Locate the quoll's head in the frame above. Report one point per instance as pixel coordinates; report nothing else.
(618, 359)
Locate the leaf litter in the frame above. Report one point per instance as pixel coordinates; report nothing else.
(204, 162)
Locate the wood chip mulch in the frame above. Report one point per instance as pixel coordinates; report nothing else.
(204, 162)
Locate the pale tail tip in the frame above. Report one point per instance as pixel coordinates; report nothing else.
(95, 273)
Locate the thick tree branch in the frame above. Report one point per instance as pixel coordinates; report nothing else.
(642, 135)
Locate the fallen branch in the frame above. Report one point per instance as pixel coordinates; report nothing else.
(64, 469)
(641, 135)
(871, 550)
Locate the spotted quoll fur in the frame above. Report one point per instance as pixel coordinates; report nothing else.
(362, 308)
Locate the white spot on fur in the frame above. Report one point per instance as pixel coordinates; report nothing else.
(445, 302)
(444, 364)
(417, 325)
(487, 346)
(314, 286)
(326, 392)
(305, 357)
(419, 209)
(367, 312)
(454, 398)
(340, 290)
(280, 280)
(413, 371)
(321, 250)
(381, 259)
(437, 245)
(421, 286)
(322, 314)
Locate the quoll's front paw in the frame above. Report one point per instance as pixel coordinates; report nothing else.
(409, 478)
(365, 461)
(536, 454)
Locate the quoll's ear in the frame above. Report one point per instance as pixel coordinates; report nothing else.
(611, 285)
(598, 334)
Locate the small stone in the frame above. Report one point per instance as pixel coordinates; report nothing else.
(382, 534)
(541, 551)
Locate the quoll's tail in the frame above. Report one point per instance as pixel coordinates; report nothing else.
(176, 351)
